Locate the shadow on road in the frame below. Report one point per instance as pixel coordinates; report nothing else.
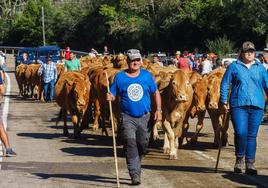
(246, 179)
(195, 169)
(92, 152)
(87, 173)
(41, 135)
(91, 178)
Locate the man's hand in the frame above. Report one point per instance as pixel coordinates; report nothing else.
(158, 115)
(110, 97)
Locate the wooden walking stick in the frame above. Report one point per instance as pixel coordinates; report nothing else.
(224, 119)
(114, 141)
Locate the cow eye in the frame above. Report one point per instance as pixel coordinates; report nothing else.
(173, 82)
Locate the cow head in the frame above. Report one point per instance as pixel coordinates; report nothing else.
(162, 80)
(200, 94)
(180, 86)
(81, 94)
(213, 92)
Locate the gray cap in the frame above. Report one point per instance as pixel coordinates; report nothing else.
(248, 46)
(133, 54)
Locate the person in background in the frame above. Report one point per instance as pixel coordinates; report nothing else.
(249, 80)
(73, 64)
(226, 63)
(105, 50)
(67, 53)
(196, 63)
(217, 64)
(263, 61)
(135, 86)
(3, 134)
(48, 71)
(3, 64)
(25, 59)
(155, 60)
(184, 62)
(176, 58)
(206, 65)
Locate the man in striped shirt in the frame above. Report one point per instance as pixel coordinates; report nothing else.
(49, 76)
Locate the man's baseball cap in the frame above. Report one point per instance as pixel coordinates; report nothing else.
(178, 53)
(133, 54)
(248, 46)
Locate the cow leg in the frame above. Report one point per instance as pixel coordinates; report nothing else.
(155, 130)
(171, 138)
(225, 131)
(103, 117)
(166, 147)
(199, 126)
(75, 121)
(96, 114)
(215, 123)
(65, 128)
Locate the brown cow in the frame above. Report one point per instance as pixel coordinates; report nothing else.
(176, 100)
(198, 106)
(20, 77)
(72, 93)
(214, 107)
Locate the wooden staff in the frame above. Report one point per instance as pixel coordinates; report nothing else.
(114, 141)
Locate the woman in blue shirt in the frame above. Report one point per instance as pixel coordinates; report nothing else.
(248, 80)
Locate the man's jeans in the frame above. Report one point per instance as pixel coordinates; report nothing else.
(50, 86)
(246, 121)
(136, 135)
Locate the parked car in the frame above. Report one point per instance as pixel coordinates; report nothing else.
(44, 51)
(31, 52)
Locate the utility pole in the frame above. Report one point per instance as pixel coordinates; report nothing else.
(43, 27)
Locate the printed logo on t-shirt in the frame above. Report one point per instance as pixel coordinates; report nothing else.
(135, 92)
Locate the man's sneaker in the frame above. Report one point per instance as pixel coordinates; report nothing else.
(238, 165)
(10, 153)
(250, 168)
(135, 179)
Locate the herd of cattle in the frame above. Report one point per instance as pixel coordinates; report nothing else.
(83, 95)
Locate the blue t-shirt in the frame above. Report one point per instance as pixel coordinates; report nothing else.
(134, 92)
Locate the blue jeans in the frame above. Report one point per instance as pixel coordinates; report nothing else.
(136, 135)
(246, 121)
(49, 91)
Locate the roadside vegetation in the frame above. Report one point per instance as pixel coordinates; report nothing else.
(149, 25)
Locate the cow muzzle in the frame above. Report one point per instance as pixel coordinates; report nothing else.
(201, 108)
(182, 98)
(213, 105)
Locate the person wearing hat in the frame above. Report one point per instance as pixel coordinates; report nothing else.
(134, 86)
(249, 79)
(48, 71)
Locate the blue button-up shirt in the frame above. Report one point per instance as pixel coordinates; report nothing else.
(48, 71)
(248, 85)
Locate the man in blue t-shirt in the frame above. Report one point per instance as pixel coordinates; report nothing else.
(134, 87)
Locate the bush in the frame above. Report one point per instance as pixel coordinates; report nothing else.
(220, 46)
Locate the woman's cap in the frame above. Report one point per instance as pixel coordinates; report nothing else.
(248, 46)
